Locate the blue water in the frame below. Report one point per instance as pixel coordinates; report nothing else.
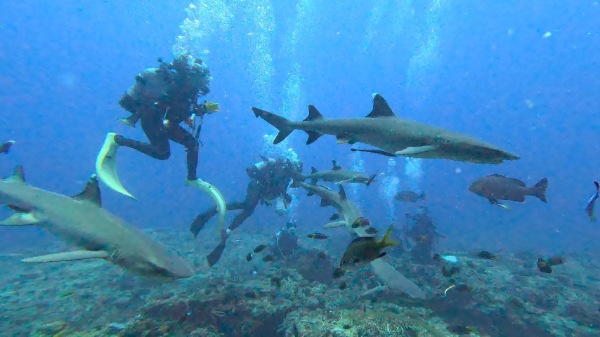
(521, 75)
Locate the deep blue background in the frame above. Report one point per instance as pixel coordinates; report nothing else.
(64, 66)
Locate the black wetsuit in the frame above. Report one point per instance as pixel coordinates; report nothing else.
(268, 183)
(159, 135)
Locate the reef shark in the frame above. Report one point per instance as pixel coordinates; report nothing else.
(80, 221)
(338, 175)
(350, 213)
(393, 135)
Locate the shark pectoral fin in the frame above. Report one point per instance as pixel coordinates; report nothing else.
(106, 165)
(68, 256)
(20, 219)
(345, 138)
(381, 152)
(325, 203)
(335, 224)
(416, 150)
(215, 195)
(312, 136)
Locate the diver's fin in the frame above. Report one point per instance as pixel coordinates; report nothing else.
(68, 256)
(282, 124)
(215, 255)
(20, 219)
(325, 202)
(335, 224)
(416, 150)
(380, 108)
(17, 176)
(91, 192)
(106, 165)
(215, 195)
(381, 152)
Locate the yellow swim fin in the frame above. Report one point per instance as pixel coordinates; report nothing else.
(215, 195)
(106, 165)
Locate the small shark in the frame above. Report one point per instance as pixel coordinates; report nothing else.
(393, 135)
(338, 175)
(82, 222)
(350, 213)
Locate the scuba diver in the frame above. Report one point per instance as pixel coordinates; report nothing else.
(161, 99)
(424, 234)
(270, 181)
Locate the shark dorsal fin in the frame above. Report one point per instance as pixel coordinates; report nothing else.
(91, 192)
(313, 170)
(380, 108)
(18, 175)
(342, 192)
(313, 114)
(336, 166)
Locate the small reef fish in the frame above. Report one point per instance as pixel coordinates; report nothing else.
(463, 330)
(484, 254)
(449, 272)
(556, 261)
(334, 217)
(318, 236)
(589, 208)
(543, 266)
(365, 249)
(6, 146)
(338, 272)
(361, 222)
(249, 257)
(260, 248)
(371, 230)
(409, 196)
(497, 187)
(269, 258)
(343, 285)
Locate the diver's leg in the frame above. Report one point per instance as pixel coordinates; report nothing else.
(154, 130)
(249, 204)
(201, 220)
(181, 136)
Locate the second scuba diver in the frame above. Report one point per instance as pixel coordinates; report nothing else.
(162, 98)
(270, 181)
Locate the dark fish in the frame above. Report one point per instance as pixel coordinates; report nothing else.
(589, 209)
(361, 222)
(260, 248)
(338, 272)
(409, 196)
(497, 187)
(334, 217)
(463, 330)
(463, 287)
(371, 230)
(343, 285)
(269, 258)
(449, 272)
(437, 257)
(556, 261)
(543, 266)
(6, 146)
(365, 249)
(484, 254)
(318, 236)
(322, 255)
(249, 257)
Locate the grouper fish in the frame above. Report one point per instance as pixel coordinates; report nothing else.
(338, 175)
(394, 136)
(350, 213)
(81, 222)
(498, 187)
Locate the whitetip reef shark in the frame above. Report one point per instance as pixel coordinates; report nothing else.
(338, 175)
(350, 213)
(393, 135)
(80, 221)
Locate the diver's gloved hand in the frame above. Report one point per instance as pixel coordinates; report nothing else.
(211, 107)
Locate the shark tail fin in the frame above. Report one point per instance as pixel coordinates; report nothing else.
(539, 190)
(384, 242)
(284, 125)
